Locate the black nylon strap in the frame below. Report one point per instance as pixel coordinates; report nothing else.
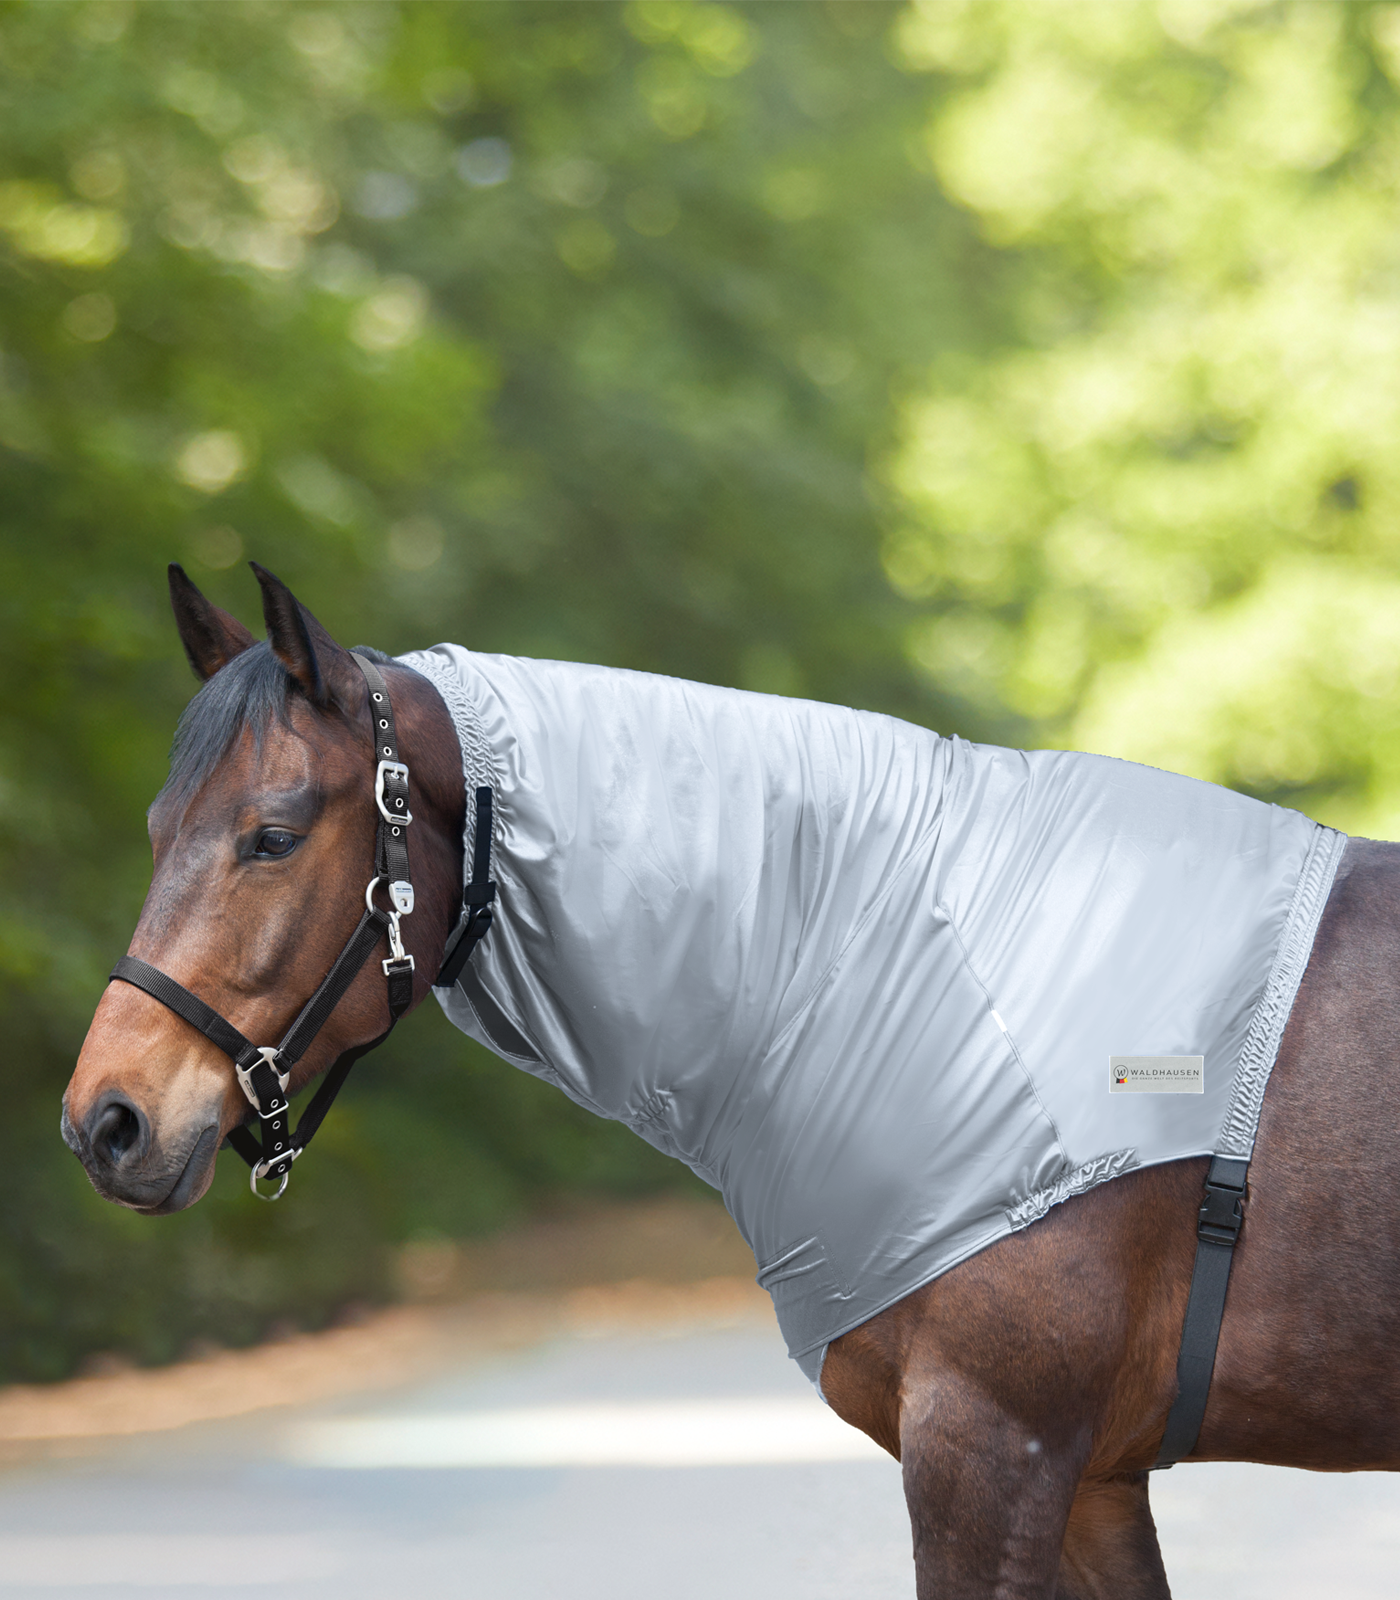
(392, 852)
(481, 848)
(1217, 1231)
(329, 1087)
(391, 838)
(267, 1085)
(186, 1005)
(274, 1109)
(390, 784)
(246, 1145)
(241, 1140)
(476, 897)
(275, 1115)
(345, 969)
(400, 988)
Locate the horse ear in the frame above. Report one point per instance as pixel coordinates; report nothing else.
(322, 668)
(210, 636)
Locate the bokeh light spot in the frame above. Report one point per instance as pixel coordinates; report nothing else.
(212, 461)
(91, 317)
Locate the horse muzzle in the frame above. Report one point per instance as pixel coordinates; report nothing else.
(128, 1164)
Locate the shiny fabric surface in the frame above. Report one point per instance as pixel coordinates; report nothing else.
(863, 979)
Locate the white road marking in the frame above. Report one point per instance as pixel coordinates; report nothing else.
(668, 1433)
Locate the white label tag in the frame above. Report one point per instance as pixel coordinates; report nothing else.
(1157, 1075)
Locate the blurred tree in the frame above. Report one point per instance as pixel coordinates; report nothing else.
(547, 328)
(1162, 522)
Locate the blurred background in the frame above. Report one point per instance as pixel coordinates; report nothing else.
(1028, 371)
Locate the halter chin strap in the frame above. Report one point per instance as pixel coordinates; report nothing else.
(264, 1071)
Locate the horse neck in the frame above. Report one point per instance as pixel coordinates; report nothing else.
(632, 850)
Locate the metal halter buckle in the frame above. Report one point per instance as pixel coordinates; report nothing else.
(391, 769)
(269, 1053)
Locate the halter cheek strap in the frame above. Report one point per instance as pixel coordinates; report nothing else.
(264, 1071)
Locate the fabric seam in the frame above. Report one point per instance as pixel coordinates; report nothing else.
(478, 759)
(1087, 1175)
(1006, 1031)
(843, 1289)
(1260, 1048)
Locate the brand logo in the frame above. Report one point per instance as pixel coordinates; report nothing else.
(1157, 1074)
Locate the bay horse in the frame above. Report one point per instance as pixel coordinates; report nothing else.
(1025, 1391)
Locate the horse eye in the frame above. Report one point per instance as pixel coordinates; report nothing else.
(275, 842)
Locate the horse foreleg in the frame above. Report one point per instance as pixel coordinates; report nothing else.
(1110, 1548)
(1025, 1392)
(998, 1514)
(988, 1499)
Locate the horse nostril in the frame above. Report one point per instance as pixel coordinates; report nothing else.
(114, 1131)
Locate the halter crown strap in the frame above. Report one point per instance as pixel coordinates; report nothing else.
(391, 834)
(264, 1072)
(390, 792)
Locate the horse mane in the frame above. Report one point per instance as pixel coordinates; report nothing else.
(249, 695)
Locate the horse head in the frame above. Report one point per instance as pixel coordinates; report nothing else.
(264, 840)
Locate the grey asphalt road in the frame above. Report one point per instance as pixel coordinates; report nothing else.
(628, 1468)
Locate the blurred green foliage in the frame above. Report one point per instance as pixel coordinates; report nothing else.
(557, 329)
(1027, 370)
(1163, 522)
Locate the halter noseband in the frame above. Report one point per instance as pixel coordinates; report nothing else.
(264, 1071)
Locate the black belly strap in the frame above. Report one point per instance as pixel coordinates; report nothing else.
(1217, 1232)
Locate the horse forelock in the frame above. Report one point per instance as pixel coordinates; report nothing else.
(252, 694)
(249, 695)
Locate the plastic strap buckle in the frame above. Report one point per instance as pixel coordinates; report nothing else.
(1220, 1219)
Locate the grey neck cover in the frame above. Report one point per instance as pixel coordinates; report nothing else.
(865, 980)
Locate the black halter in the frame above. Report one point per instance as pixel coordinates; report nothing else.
(264, 1071)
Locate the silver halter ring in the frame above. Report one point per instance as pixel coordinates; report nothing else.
(253, 1185)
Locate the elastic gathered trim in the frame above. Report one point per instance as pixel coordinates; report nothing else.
(1261, 1043)
(478, 760)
